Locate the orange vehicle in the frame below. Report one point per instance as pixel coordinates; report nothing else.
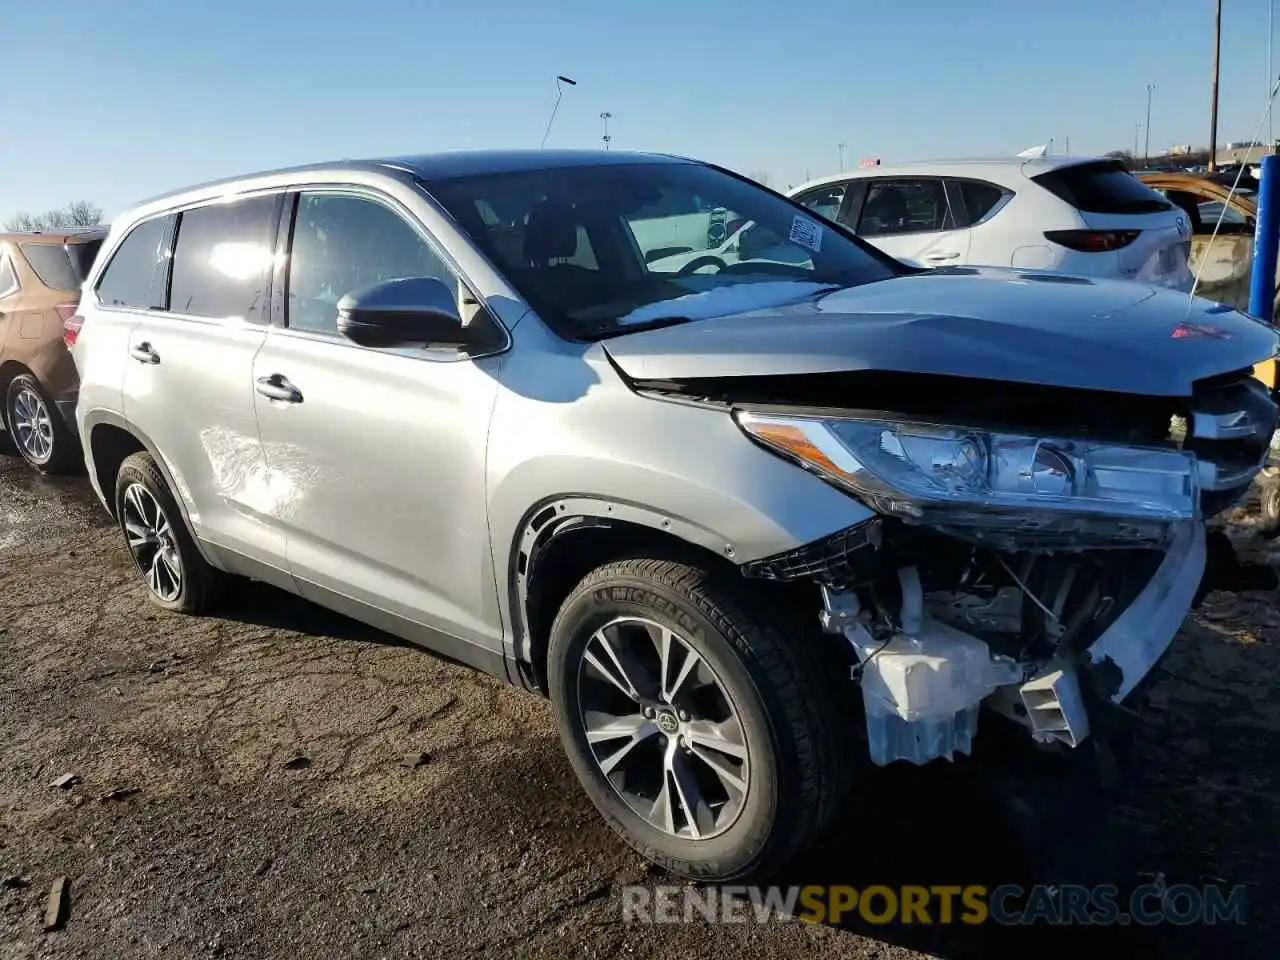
(40, 279)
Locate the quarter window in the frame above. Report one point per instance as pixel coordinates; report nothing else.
(132, 278)
(979, 198)
(905, 206)
(342, 244)
(221, 259)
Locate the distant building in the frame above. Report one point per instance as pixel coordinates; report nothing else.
(1181, 150)
(1240, 154)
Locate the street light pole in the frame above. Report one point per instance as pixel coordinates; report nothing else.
(842, 158)
(1213, 110)
(606, 138)
(1146, 153)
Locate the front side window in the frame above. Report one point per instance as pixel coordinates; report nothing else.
(905, 206)
(825, 200)
(222, 258)
(659, 233)
(344, 243)
(133, 278)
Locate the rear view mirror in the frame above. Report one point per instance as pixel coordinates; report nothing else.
(411, 312)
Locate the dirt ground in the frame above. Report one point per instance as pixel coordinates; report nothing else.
(283, 782)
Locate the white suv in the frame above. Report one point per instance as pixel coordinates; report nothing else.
(1066, 214)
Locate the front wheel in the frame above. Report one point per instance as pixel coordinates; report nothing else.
(702, 730)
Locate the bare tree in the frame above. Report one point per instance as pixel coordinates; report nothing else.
(23, 223)
(81, 213)
(760, 176)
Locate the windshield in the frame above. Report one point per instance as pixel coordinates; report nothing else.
(599, 250)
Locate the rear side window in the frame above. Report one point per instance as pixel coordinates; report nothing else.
(1102, 187)
(132, 278)
(979, 198)
(905, 206)
(221, 259)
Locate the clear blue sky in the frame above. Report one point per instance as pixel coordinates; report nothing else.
(116, 100)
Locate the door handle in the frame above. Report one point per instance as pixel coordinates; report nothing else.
(942, 257)
(144, 353)
(278, 387)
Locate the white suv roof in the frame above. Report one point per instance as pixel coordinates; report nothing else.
(996, 169)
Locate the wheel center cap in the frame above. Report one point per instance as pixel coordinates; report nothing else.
(668, 722)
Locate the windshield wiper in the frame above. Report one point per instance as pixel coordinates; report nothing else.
(611, 328)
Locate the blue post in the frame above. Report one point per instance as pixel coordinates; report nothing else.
(1266, 241)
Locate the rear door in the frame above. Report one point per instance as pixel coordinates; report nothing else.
(188, 384)
(911, 219)
(1109, 198)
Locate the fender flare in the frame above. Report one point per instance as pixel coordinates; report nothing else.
(558, 516)
(99, 417)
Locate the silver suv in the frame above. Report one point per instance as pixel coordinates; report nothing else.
(725, 515)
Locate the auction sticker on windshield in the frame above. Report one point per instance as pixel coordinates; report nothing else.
(806, 233)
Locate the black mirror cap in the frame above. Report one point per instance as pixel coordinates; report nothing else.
(409, 312)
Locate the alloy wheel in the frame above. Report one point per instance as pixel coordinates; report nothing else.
(32, 425)
(152, 542)
(663, 729)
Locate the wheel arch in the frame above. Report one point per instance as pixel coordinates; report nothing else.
(109, 440)
(562, 540)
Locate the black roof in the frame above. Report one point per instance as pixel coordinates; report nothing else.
(465, 163)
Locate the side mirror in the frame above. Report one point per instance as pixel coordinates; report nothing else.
(412, 312)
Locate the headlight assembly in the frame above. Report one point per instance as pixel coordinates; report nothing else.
(969, 477)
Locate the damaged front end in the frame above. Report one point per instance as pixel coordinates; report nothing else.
(1034, 552)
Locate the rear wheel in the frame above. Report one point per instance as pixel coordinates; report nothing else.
(164, 553)
(702, 730)
(37, 429)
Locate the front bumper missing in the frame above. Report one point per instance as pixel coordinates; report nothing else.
(926, 684)
(1052, 702)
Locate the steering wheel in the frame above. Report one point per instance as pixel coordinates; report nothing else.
(697, 263)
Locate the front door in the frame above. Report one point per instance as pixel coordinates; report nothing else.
(377, 455)
(910, 220)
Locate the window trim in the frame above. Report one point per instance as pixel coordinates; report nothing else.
(958, 203)
(6, 260)
(946, 198)
(279, 314)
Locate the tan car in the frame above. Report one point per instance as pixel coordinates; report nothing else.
(1225, 262)
(40, 278)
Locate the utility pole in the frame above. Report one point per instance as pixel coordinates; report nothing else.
(841, 158)
(1213, 110)
(1066, 150)
(1146, 153)
(606, 138)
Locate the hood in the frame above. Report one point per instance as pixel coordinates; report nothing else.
(1020, 326)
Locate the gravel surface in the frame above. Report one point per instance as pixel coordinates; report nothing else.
(280, 782)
